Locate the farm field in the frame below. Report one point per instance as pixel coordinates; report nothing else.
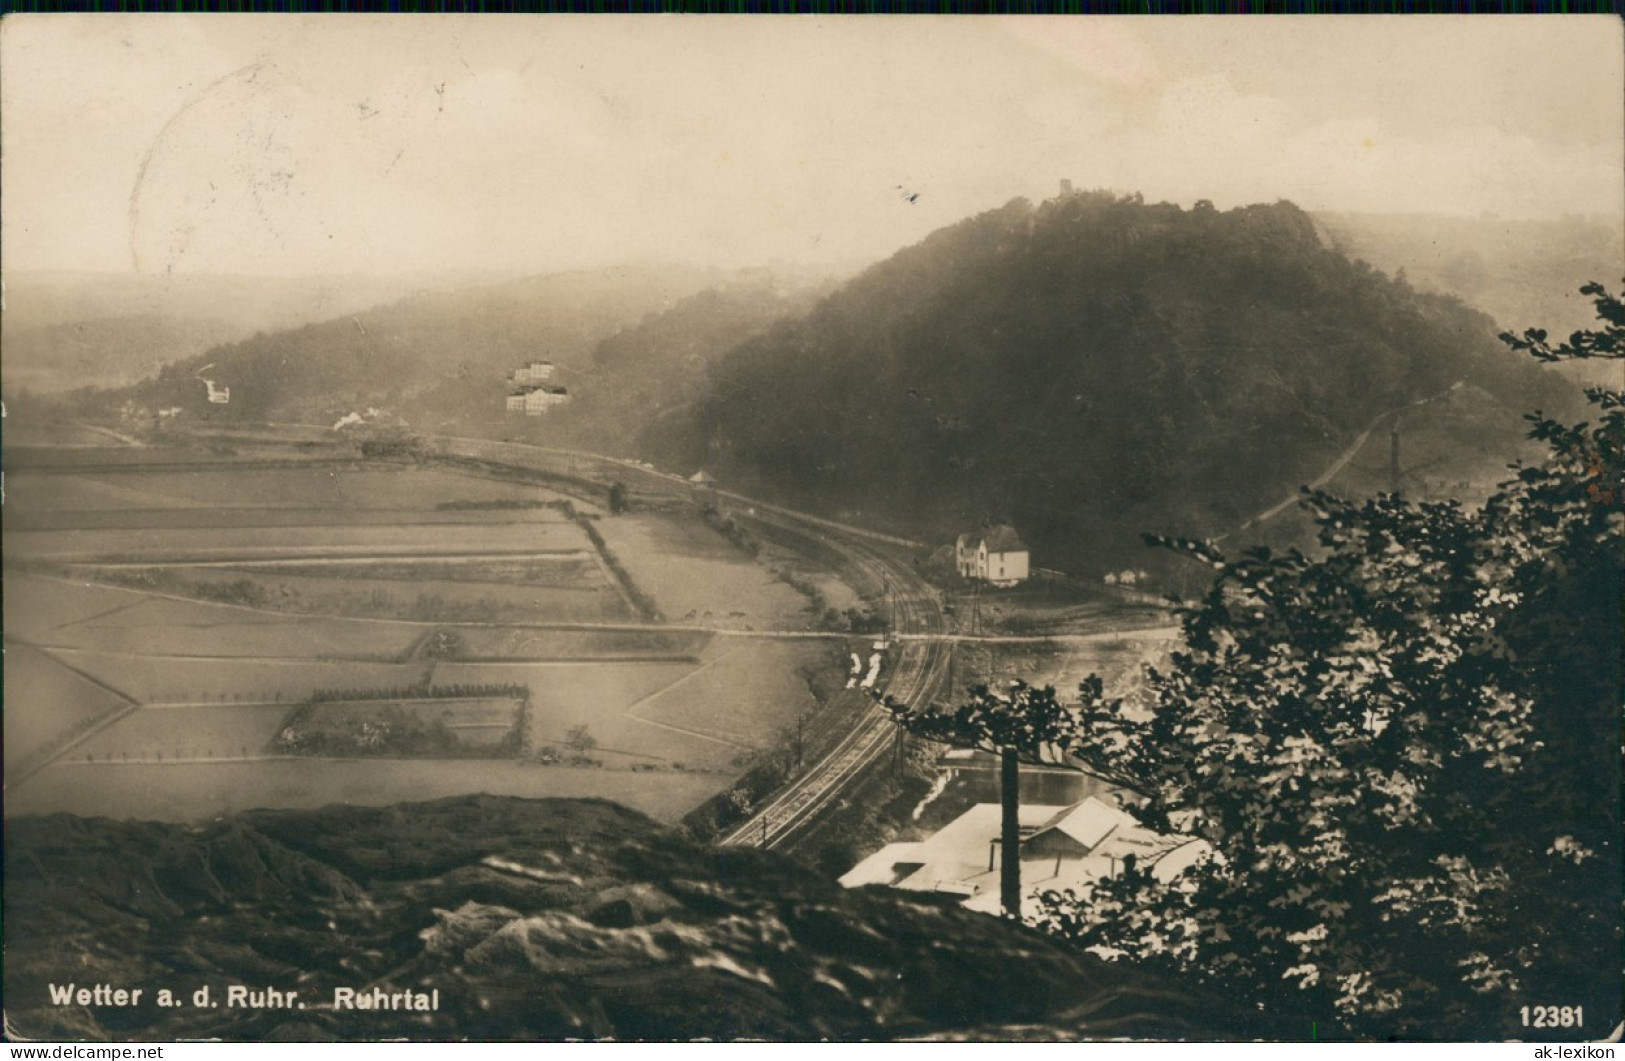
(227, 518)
(59, 703)
(37, 607)
(602, 698)
(650, 644)
(52, 432)
(211, 680)
(57, 612)
(400, 728)
(54, 612)
(325, 487)
(1044, 608)
(105, 455)
(346, 593)
(560, 570)
(698, 575)
(213, 731)
(182, 792)
(745, 693)
(156, 544)
(333, 577)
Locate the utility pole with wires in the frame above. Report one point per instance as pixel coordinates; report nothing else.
(1397, 471)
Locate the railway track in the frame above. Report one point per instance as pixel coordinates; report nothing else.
(917, 676)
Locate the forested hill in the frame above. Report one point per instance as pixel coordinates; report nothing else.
(655, 370)
(1089, 368)
(440, 360)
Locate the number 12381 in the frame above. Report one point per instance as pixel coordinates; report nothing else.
(1552, 1016)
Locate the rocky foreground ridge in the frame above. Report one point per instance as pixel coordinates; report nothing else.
(532, 919)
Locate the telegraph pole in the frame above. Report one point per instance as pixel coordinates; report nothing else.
(1009, 832)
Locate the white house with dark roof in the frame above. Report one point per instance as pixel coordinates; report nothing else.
(997, 555)
(1062, 847)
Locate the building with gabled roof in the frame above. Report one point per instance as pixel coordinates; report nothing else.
(536, 400)
(1077, 830)
(1062, 847)
(996, 555)
(702, 487)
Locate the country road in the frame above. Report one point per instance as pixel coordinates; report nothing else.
(1342, 460)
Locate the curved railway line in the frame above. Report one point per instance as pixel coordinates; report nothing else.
(920, 672)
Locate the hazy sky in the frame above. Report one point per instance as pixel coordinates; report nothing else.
(290, 144)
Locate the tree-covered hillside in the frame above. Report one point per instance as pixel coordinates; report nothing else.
(441, 360)
(105, 351)
(632, 346)
(66, 330)
(1090, 368)
(647, 376)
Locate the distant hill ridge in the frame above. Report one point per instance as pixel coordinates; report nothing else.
(1087, 368)
(438, 358)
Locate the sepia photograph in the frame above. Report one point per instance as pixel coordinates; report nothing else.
(812, 528)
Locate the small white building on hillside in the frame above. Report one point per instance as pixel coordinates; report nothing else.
(536, 401)
(1061, 847)
(533, 373)
(997, 555)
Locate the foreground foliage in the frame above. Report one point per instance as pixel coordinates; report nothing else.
(1405, 750)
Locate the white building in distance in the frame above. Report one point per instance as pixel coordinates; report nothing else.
(536, 401)
(1062, 847)
(997, 555)
(533, 373)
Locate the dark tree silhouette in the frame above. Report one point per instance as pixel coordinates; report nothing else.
(1024, 723)
(1405, 750)
(580, 740)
